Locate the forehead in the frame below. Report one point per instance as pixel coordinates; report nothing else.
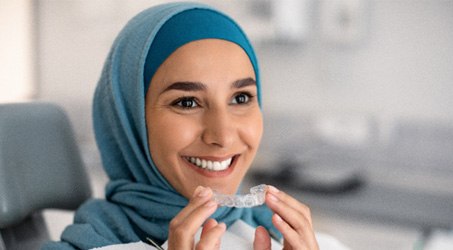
(207, 60)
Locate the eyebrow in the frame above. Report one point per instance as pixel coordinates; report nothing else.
(198, 86)
(186, 86)
(242, 83)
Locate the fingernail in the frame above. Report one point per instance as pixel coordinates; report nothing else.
(197, 191)
(272, 197)
(204, 192)
(278, 218)
(222, 225)
(273, 189)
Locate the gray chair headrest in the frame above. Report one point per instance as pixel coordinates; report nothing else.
(40, 163)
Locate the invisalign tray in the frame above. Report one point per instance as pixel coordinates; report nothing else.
(255, 198)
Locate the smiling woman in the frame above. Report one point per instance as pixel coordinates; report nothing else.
(177, 115)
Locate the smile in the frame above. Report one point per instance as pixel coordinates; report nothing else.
(210, 165)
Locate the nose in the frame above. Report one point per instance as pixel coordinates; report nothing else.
(219, 128)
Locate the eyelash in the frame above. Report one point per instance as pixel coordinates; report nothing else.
(178, 102)
(248, 95)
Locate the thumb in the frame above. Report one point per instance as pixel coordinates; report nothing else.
(262, 239)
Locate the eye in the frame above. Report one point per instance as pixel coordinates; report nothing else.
(241, 98)
(186, 103)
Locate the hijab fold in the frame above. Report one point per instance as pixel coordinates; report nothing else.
(139, 201)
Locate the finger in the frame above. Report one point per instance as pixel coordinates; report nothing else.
(211, 238)
(262, 239)
(199, 197)
(295, 238)
(193, 221)
(291, 237)
(181, 232)
(297, 224)
(210, 223)
(297, 221)
(291, 201)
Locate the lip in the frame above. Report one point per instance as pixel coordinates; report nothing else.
(213, 174)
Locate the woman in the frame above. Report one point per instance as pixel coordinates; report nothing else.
(176, 115)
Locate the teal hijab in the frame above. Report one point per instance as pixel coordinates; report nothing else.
(139, 201)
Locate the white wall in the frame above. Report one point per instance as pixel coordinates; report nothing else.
(402, 67)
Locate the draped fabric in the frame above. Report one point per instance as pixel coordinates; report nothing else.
(139, 201)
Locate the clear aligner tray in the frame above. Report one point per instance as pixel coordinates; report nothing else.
(255, 198)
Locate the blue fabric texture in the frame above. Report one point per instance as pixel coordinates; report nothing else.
(139, 201)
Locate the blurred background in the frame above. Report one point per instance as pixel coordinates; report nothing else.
(357, 98)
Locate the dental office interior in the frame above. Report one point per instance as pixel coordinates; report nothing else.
(357, 103)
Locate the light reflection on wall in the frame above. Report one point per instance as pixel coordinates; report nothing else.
(16, 55)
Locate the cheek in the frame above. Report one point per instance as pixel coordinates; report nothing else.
(169, 134)
(252, 130)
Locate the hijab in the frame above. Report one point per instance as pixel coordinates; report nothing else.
(139, 201)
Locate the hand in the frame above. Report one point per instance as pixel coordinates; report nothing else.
(185, 225)
(292, 219)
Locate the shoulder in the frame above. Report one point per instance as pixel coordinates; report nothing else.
(101, 213)
(96, 223)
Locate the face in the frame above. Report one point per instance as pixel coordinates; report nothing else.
(203, 118)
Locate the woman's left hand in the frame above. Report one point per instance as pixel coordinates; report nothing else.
(292, 219)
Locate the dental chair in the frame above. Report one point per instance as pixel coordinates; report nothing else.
(40, 167)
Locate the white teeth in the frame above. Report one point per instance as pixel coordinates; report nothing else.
(210, 165)
(217, 166)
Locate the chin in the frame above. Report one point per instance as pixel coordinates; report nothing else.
(225, 187)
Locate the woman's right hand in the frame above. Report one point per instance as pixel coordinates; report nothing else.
(185, 225)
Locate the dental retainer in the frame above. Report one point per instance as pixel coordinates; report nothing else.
(255, 198)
